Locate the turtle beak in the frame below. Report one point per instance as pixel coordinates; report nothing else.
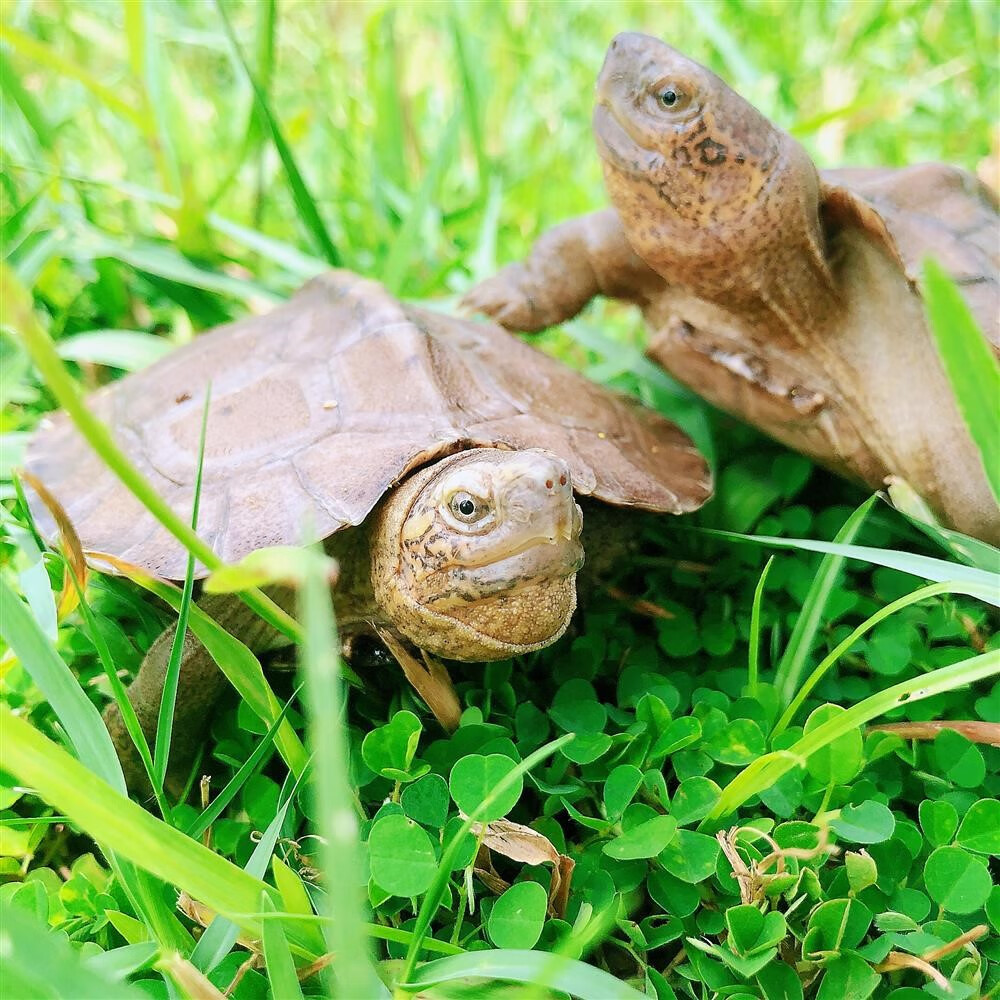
(568, 527)
(542, 495)
(627, 57)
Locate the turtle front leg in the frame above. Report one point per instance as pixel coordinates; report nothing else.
(568, 266)
(430, 679)
(199, 687)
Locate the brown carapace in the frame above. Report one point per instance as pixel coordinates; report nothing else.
(787, 296)
(439, 459)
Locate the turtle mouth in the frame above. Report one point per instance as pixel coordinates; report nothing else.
(616, 143)
(565, 555)
(535, 563)
(558, 546)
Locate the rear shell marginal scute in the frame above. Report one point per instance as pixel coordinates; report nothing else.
(321, 406)
(933, 209)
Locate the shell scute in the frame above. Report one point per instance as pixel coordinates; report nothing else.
(931, 209)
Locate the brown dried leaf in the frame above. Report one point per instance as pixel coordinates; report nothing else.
(105, 562)
(897, 960)
(517, 842)
(76, 564)
(977, 732)
(489, 876)
(192, 981)
(313, 967)
(559, 889)
(640, 605)
(936, 954)
(753, 879)
(528, 847)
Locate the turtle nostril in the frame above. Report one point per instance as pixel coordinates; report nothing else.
(548, 484)
(562, 480)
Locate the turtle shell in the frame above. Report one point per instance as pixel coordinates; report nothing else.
(319, 407)
(927, 208)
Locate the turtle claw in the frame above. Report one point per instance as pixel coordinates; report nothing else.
(503, 299)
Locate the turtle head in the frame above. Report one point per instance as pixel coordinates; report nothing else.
(691, 167)
(475, 557)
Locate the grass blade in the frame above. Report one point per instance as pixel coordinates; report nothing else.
(232, 657)
(482, 259)
(300, 265)
(927, 567)
(148, 896)
(34, 582)
(239, 779)
(221, 934)
(165, 262)
(334, 806)
(129, 350)
(470, 96)
(408, 238)
(766, 770)
(278, 957)
(40, 963)
(186, 980)
(144, 57)
(264, 45)
(869, 623)
(382, 932)
(127, 829)
(970, 363)
(753, 667)
(123, 961)
(384, 78)
(529, 967)
(793, 660)
(304, 202)
(75, 711)
(964, 548)
(11, 84)
(171, 680)
(45, 55)
(125, 706)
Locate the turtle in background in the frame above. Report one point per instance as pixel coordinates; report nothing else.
(440, 460)
(784, 295)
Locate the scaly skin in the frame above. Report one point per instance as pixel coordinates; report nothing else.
(491, 583)
(785, 298)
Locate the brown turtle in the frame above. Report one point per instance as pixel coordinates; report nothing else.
(437, 456)
(786, 296)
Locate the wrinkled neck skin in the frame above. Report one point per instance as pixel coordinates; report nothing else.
(714, 199)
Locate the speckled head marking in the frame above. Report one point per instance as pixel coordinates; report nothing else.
(475, 557)
(712, 195)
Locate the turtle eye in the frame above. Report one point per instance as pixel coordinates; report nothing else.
(670, 97)
(466, 507)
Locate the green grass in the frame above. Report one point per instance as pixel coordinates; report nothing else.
(168, 166)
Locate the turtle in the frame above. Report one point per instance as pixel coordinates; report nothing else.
(787, 296)
(440, 460)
